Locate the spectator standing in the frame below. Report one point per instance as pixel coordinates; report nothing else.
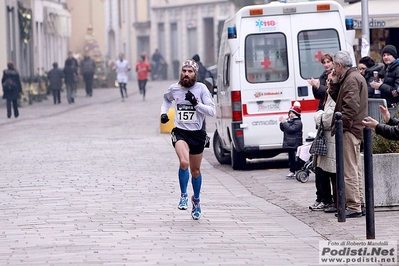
(326, 165)
(348, 89)
(193, 102)
(12, 88)
(319, 85)
(142, 69)
(389, 88)
(292, 128)
(367, 66)
(55, 77)
(88, 68)
(122, 67)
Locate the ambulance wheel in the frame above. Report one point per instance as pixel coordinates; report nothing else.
(238, 160)
(302, 176)
(221, 154)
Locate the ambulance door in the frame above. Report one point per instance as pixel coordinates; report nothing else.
(314, 34)
(267, 82)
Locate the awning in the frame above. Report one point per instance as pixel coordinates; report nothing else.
(382, 13)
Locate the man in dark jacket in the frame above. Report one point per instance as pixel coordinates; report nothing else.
(348, 89)
(88, 68)
(55, 77)
(12, 88)
(389, 88)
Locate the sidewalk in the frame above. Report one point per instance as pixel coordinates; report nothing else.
(95, 183)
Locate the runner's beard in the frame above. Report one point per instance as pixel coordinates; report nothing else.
(187, 82)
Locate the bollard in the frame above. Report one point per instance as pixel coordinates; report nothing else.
(368, 182)
(339, 150)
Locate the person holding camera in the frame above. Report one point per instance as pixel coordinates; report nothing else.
(193, 102)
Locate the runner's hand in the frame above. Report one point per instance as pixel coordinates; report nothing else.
(191, 98)
(164, 118)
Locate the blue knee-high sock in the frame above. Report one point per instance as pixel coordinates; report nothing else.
(184, 175)
(196, 182)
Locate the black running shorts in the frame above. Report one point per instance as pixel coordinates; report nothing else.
(195, 139)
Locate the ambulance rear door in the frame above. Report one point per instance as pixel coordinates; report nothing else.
(315, 34)
(268, 80)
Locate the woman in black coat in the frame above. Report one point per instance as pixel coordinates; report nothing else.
(12, 88)
(319, 85)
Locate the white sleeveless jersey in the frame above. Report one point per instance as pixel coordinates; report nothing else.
(187, 116)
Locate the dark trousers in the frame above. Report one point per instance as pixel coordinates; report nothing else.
(15, 107)
(88, 79)
(142, 84)
(122, 88)
(293, 163)
(324, 181)
(57, 96)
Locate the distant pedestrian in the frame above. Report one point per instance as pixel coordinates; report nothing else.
(55, 77)
(157, 62)
(122, 67)
(201, 69)
(72, 64)
(70, 74)
(142, 69)
(12, 88)
(88, 68)
(293, 136)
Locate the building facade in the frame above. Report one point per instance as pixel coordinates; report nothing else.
(181, 29)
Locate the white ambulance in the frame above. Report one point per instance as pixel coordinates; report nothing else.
(267, 53)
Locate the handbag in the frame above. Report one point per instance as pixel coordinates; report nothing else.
(319, 146)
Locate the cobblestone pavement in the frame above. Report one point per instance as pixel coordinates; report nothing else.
(95, 183)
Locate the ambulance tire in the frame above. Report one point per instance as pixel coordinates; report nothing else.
(238, 159)
(221, 154)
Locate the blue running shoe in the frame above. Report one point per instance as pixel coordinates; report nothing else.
(196, 210)
(183, 203)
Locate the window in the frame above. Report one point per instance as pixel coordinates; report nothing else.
(312, 45)
(266, 58)
(226, 74)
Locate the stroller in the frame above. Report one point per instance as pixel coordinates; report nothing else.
(306, 159)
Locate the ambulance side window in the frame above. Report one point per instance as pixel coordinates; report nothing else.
(312, 44)
(226, 71)
(266, 57)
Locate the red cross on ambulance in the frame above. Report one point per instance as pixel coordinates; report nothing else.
(266, 63)
(317, 56)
